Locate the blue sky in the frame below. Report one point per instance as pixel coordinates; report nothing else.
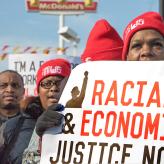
(21, 28)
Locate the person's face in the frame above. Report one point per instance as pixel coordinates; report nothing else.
(50, 90)
(146, 45)
(75, 92)
(11, 90)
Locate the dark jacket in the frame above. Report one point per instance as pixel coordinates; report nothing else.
(17, 133)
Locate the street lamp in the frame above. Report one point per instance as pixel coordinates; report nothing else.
(69, 35)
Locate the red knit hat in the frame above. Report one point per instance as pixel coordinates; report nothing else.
(104, 43)
(51, 68)
(148, 20)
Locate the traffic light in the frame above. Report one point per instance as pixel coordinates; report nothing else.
(88, 2)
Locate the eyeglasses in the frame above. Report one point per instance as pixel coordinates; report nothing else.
(49, 84)
(13, 85)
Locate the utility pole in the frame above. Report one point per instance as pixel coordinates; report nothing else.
(161, 7)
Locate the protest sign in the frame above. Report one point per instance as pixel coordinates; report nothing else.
(117, 117)
(28, 64)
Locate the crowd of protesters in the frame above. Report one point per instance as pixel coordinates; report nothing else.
(23, 121)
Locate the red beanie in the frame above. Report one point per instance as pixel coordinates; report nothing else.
(104, 43)
(148, 20)
(51, 68)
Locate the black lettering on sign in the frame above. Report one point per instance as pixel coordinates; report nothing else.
(160, 154)
(114, 145)
(32, 67)
(149, 154)
(58, 154)
(124, 153)
(70, 127)
(79, 152)
(102, 151)
(65, 152)
(20, 66)
(91, 144)
(29, 79)
(40, 63)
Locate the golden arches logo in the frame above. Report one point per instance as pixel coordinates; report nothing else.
(88, 2)
(34, 2)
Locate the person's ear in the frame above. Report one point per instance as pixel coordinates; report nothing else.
(22, 92)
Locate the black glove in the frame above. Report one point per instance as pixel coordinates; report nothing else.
(50, 118)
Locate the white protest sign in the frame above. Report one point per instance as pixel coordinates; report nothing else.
(28, 64)
(121, 119)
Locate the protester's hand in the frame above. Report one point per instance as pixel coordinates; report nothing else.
(50, 118)
(86, 73)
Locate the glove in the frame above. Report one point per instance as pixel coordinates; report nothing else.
(50, 118)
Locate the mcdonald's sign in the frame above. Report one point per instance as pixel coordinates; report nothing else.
(61, 5)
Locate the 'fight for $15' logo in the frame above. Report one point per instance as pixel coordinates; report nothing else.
(132, 26)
